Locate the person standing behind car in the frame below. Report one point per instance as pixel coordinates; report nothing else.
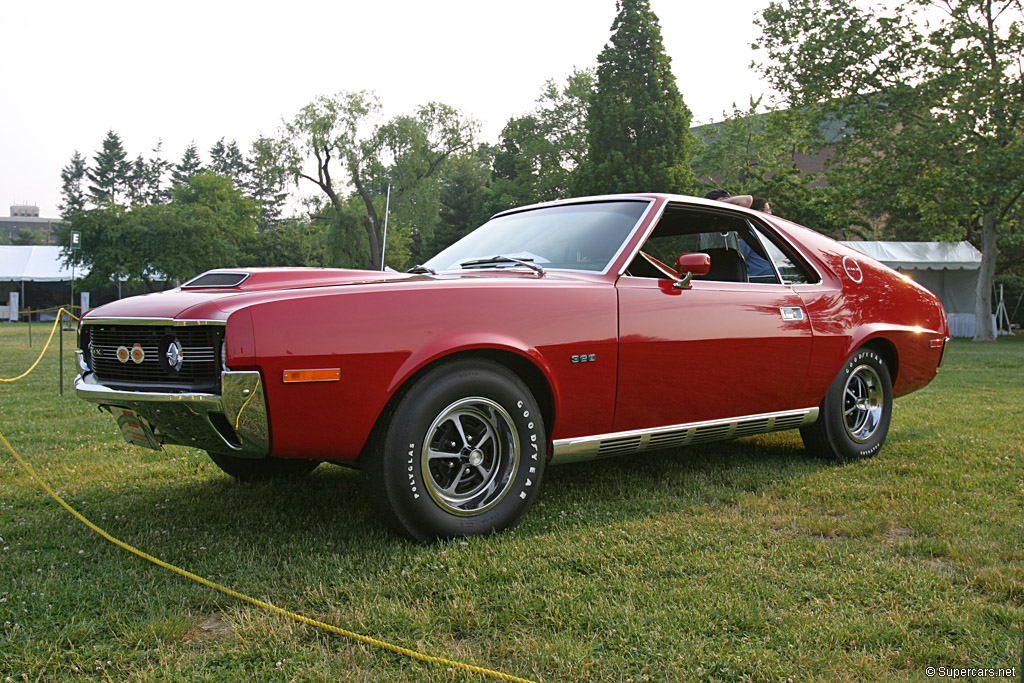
(744, 200)
(757, 265)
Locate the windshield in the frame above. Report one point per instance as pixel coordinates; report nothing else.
(570, 237)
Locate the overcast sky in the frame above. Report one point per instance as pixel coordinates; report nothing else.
(200, 71)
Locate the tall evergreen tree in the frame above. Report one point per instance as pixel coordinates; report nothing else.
(226, 159)
(265, 180)
(638, 126)
(109, 176)
(190, 165)
(72, 191)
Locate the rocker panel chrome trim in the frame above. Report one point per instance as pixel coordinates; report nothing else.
(618, 443)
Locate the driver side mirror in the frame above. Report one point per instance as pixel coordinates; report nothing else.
(689, 265)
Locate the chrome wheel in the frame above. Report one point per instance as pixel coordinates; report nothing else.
(470, 456)
(863, 402)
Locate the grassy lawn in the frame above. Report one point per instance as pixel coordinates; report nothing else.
(746, 560)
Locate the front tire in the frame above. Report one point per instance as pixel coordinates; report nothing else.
(853, 420)
(255, 469)
(461, 454)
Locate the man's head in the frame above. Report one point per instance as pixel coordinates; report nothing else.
(717, 195)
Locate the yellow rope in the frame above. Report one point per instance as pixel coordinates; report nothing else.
(259, 603)
(45, 346)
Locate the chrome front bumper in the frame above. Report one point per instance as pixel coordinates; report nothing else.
(232, 423)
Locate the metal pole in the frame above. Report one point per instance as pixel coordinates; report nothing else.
(384, 245)
(60, 324)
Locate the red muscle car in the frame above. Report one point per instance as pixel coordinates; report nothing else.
(564, 331)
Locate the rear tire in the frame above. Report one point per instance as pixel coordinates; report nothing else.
(461, 454)
(254, 469)
(853, 420)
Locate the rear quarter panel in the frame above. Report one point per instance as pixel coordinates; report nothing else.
(885, 307)
(381, 335)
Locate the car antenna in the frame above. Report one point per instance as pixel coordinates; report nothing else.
(384, 242)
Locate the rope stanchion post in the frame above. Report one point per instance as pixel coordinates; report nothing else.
(60, 316)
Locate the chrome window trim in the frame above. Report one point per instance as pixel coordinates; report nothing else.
(583, 448)
(171, 322)
(756, 225)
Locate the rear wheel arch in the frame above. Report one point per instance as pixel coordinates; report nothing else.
(887, 350)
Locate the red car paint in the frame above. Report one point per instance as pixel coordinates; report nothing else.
(661, 355)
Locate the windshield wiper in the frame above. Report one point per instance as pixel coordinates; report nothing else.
(422, 269)
(495, 260)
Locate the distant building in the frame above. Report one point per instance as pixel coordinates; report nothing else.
(26, 216)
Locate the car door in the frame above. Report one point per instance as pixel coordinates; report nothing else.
(720, 349)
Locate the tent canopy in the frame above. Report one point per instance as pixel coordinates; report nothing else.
(951, 270)
(922, 255)
(34, 264)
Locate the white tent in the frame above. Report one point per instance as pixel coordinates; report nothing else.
(950, 270)
(34, 264)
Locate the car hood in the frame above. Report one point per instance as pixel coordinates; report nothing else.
(217, 293)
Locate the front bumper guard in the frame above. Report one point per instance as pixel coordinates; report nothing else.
(232, 423)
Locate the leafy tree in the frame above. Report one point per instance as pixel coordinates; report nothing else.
(539, 152)
(287, 243)
(464, 201)
(109, 173)
(189, 166)
(638, 126)
(935, 112)
(338, 133)
(72, 177)
(758, 153)
(205, 225)
(27, 237)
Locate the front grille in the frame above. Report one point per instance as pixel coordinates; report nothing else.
(199, 369)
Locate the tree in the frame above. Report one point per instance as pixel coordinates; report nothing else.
(226, 159)
(758, 153)
(109, 173)
(539, 152)
(638, 126)
(189, 166)
(935, 112)
(339, 135)
(264, 180)
(72, 191)
(205, 225)
(27, 237)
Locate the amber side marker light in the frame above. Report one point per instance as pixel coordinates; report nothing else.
(317, 375)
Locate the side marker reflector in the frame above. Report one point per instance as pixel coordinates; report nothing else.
(317, 375)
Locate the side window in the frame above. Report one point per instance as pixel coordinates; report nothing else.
(790, 268)
(740, 249)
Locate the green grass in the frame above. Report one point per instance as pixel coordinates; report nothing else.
(746, 560)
